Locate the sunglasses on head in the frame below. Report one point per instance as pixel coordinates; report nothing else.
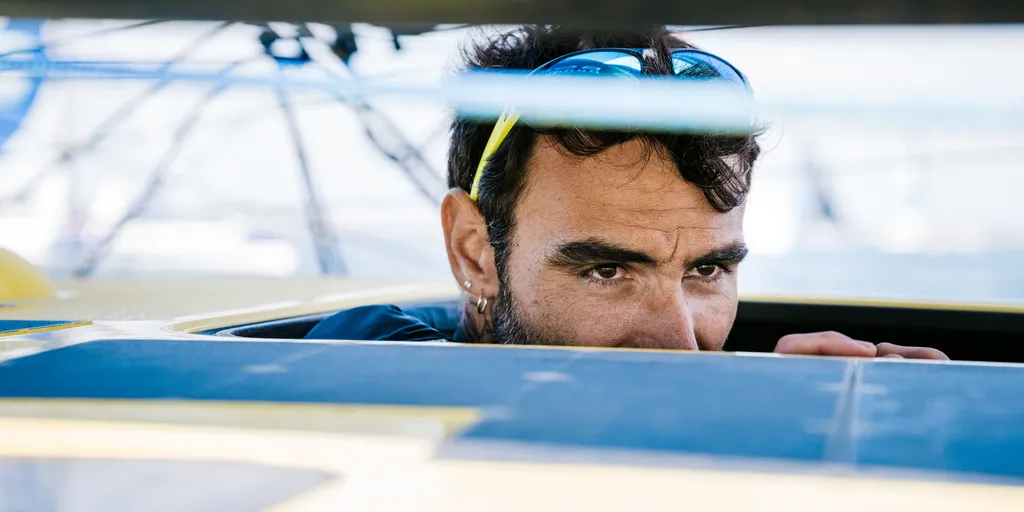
(687, 64)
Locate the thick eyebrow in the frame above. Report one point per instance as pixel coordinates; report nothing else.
(580, 253)
(731, 253)
(594, 250)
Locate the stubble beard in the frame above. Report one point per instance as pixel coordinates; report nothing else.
(509, 325)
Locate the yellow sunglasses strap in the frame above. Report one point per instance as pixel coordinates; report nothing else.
(504, 125)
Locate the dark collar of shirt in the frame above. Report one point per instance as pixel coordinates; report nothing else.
(388, 323)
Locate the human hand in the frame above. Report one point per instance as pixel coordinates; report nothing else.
(837, 344)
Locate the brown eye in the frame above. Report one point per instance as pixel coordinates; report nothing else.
(707, 270)
(607, 273)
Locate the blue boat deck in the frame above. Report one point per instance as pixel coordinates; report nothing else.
(962, 420)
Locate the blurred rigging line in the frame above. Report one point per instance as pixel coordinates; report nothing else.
(821, 189)
(675, 105)
(323, 238)
(716, 28)
(328, 257)
(155, 181)
(442, 127)
(438, 28)
(58, 42)
(379, 129)
(108, 125)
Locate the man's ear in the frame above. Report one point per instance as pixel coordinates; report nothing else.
(465, 236)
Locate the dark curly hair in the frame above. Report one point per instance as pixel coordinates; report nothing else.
(700, 157)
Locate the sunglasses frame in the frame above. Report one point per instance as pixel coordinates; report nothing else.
(639, 54)
(509, 117)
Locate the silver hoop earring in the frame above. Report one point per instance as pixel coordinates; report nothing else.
(481, 305)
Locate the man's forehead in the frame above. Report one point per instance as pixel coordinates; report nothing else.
(627, 196)
(625, 186)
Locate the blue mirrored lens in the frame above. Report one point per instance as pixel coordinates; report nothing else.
(597, 63)
(693, 64)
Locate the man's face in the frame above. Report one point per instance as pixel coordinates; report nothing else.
(617, 250)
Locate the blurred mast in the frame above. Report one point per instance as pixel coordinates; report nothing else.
(156, 179)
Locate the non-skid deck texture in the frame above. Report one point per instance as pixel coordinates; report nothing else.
(958, 418)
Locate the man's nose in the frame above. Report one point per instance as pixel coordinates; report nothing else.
(671, 322)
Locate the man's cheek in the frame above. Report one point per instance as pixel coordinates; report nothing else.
(712, 331)
(541, 294)
(712, 321)
(597, 322)
(573, 318)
